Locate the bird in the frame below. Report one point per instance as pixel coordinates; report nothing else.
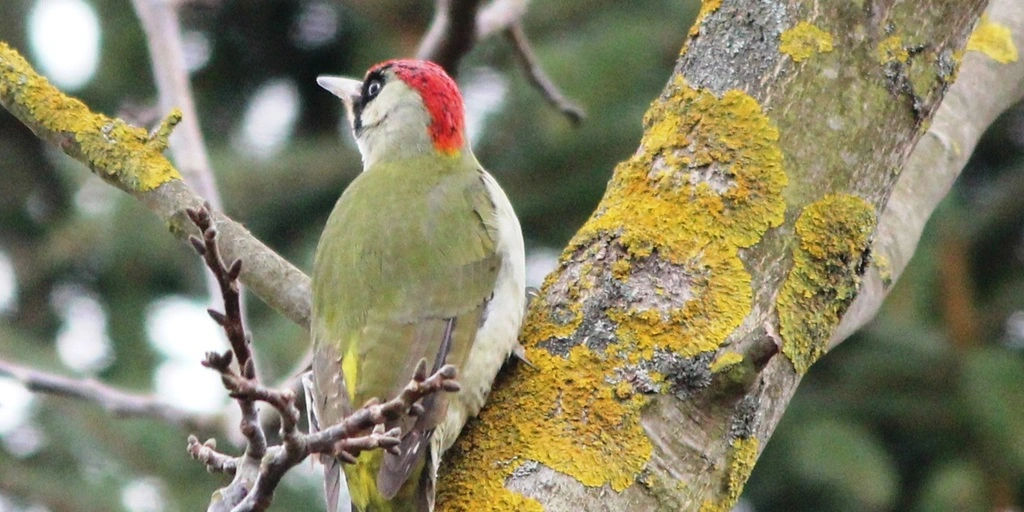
(421, 258)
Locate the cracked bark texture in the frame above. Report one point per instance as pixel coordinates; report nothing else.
(722, 259)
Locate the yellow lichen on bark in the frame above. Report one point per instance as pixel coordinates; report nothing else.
(560, 413)
(994, 40)
(726, 360)
(891, 49)
(881, 262)
(834, 234)
(742, 456)
(804, 40)
(121, 153)
(706, 182)
(706, 7)
(721, 297)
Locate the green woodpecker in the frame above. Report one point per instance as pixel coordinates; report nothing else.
(422, 257)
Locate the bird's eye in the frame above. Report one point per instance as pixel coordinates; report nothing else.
(373, 88)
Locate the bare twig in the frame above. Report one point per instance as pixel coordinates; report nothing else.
(231, 322)
(499, 15)
(227, 282)
(451, 35)
(361, 431)
(117, 402)
(259, 470)
(531, 66)
(459, 24)
(207, 453)
(374, 413)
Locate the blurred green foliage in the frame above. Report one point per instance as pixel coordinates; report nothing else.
(912, 414)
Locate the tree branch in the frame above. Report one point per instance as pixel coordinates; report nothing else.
(535, 73)
(113, 400)
(231, 322)
(207, 453)
(984, 89)
(741, 225)
(130, 159)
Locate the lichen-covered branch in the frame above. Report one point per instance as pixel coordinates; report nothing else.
(719, 263)
(132, 160)
(991, 80)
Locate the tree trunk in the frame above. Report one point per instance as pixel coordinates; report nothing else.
(720, 262)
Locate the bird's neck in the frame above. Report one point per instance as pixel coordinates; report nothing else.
(414, 155)
(405, 135)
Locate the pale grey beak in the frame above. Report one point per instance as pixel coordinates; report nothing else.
(347, 89)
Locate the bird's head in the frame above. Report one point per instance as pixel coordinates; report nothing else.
(402, 108)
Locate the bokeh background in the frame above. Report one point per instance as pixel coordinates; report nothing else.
(922, 411)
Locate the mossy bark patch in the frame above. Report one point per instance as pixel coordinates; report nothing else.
(890, 50)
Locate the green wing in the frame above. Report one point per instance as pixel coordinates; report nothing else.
(406, 257)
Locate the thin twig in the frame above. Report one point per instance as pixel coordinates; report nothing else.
(499, 15)
(451, 35)
(116, 401)
(227, 282)
(535, 73)
(259, 470)
(459, 24)
(207, 453)
(231, 322)
(374, 413)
